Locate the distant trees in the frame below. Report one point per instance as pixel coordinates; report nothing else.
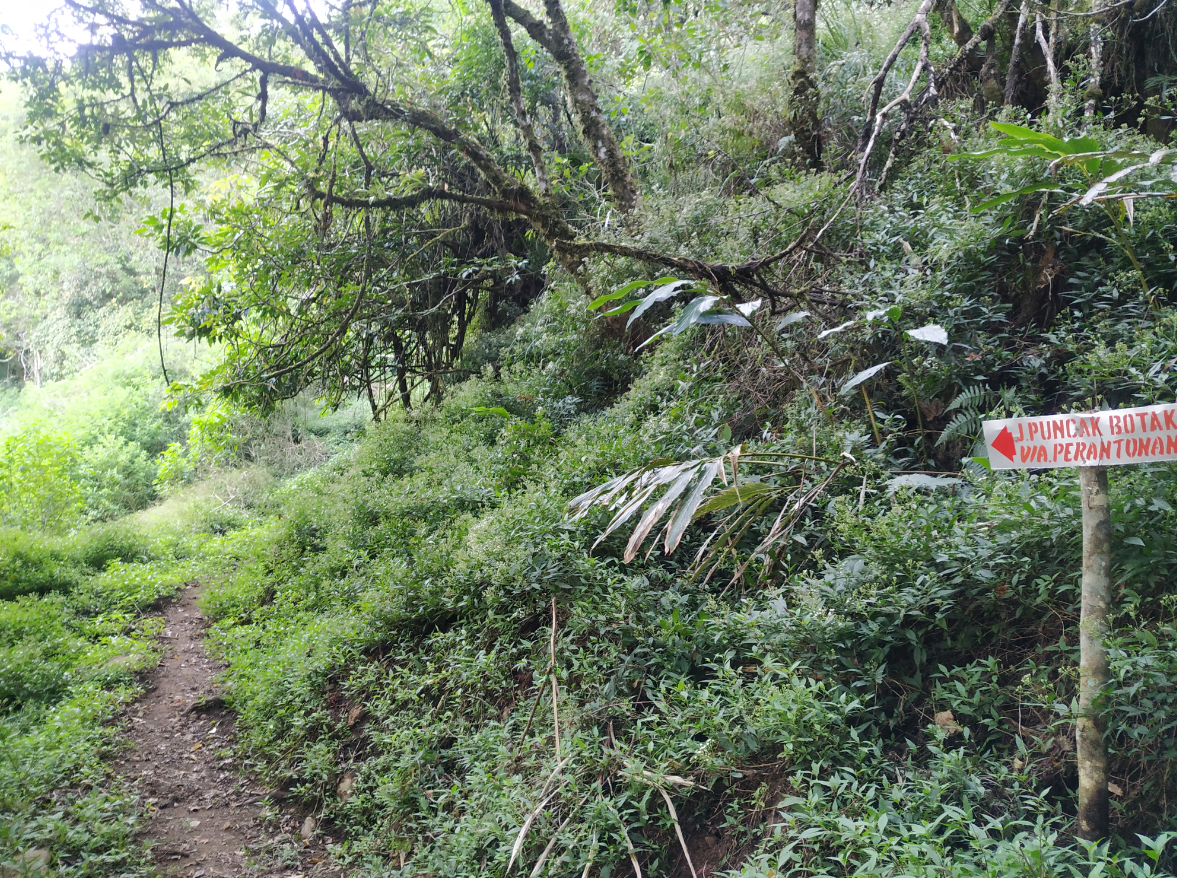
(68, 284)
(39, 484)
(418, 225)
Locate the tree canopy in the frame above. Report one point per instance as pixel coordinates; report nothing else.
(389, 175)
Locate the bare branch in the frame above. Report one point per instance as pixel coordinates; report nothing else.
(557, 39)
(1047, 47)
(877, 118)
(419, 197)
(515, 90)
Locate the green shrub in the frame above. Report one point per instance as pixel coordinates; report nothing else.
(37, 651)
(32, 564)
(39, 484)
(33, 670)
(45, 751)
(117, 477)
(97, 545)
(31, 617)
(128, 588)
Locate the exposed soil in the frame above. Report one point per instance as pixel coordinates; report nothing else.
(204, 817)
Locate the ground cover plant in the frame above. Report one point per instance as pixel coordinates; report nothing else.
(904, 691)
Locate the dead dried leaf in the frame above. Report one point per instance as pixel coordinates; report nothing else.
(945, 720)
(346, 784)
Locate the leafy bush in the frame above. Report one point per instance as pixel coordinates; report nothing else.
(37, 652)
(34, 670)
(32, 564)
(117, 478)
(97, 545)
(39, 484)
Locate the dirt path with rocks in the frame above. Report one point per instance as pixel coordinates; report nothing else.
(205, 819)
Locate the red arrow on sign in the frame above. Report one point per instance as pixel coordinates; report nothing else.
(1004, 442)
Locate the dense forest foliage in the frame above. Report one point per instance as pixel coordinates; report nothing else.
(573, 412)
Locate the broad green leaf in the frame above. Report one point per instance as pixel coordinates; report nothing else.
(654, 513)
(614, 495)
(686, 510)
(1086, 145)
(1014, 151)
(696, 312)
(1105, 184)
(621, 309)
(665, 329)
(1020, 134)
(828, 332)
(608, 492)
(661, 294)
(791, 318)
(645, 490)
(1043, 186)
(615, 295)
(496, 410)
(623, 291)
(693, 311)
(722, 317)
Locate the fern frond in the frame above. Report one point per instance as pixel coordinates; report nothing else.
(970, 398)
(964, 424)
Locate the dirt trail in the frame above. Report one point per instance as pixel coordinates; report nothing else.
(205, 818)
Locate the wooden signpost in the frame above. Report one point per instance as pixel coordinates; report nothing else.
(1091, 441)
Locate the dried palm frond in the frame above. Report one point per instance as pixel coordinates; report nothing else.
(689, 491)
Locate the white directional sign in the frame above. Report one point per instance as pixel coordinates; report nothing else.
(1140, 435)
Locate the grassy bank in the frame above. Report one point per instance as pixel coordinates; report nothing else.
(78, 629)
(899, 703)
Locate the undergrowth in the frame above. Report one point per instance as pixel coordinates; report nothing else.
(78, 626)
(897, 701)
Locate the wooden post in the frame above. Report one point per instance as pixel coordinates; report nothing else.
(1093, 659)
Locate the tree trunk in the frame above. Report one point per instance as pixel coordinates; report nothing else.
(991, 87)
(955, 22)
(1094, 94)
(1015, 55)
(1094, 675)
(402, 382)
(804, 95)
(560, 43)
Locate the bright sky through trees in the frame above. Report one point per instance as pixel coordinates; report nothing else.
(18, 22)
